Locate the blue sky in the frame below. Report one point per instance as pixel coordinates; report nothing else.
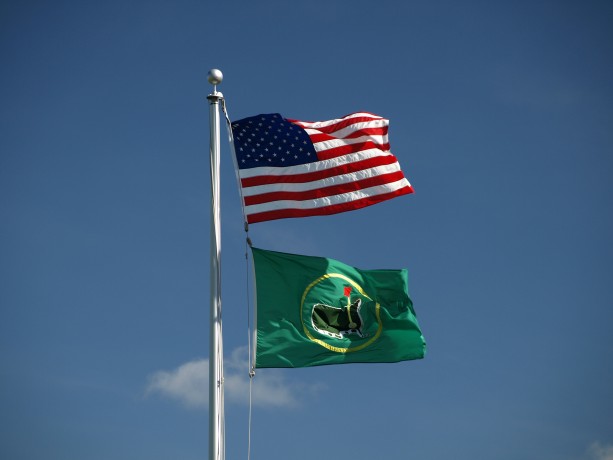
(501, 115)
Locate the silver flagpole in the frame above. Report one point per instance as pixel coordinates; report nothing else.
(216, 409)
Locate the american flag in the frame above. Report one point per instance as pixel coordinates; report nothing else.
(292, 168)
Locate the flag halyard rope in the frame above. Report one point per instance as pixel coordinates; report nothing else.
(233, 155)
(250, 353)
(250, 345)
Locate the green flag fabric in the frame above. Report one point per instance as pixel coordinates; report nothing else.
(313, 311)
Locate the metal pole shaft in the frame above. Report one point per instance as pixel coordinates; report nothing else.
(215, 357)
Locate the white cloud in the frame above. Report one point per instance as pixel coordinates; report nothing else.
(597, 451)
(189, 383)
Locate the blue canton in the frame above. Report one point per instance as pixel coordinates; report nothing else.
(270, 140)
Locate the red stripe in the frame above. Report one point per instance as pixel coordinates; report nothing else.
(340, 118)
(325, 191)
(350, 148)
(368, 132)
(343, 123)
(334, 209)
(320, 137)
(318, 175)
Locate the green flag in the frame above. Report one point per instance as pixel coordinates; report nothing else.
(313, 311)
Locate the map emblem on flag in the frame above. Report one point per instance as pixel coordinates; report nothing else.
(339, 315)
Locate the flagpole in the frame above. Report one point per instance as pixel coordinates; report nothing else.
(216, 403)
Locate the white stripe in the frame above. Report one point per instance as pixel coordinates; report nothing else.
(327, 201)
(321, 183)
(319, 124)
(311, 167)
(333, 143)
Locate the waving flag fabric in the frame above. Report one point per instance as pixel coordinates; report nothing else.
(291, 168)
(313, 311)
